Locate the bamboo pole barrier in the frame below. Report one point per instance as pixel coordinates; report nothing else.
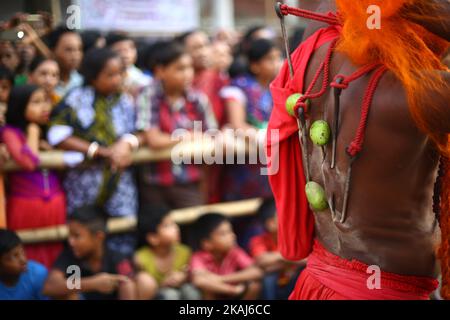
(194, 149)
(120, 225)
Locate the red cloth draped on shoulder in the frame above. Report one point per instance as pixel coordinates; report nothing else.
(295, 219)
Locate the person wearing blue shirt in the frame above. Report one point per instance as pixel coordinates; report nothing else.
(19, 279)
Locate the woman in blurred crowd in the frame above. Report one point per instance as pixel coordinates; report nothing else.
(249, 105)
(44, 73)
(98, 120)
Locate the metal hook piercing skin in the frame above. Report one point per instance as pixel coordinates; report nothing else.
(302, 125)
(331, 204)
(285, 38)
(301, 116)
(324, 153)
(347, 189)
(331, 200)
(337, 107)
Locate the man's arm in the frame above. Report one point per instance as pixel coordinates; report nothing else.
(56, 284)
(248, 274)
(211, 283)
(270, 261)
(157, 139)
(127, 290)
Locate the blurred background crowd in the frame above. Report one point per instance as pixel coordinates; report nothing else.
(101, 79)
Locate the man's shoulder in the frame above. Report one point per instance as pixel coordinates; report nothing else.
(237, 252)
(36, 268)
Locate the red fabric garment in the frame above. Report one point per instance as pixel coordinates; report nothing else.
(262, 244)
(330, 277)
(295, 220)
(236, 260)
(31, 213)
(18, 149)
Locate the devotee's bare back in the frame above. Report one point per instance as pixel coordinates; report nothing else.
(390, 222)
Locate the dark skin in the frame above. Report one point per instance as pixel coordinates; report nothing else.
(109, 81)
(212, 285)
(88, 245)
(12, 264)
(390, 222)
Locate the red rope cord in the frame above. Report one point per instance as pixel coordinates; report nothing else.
(356, 75)
(325, 67)
(356, 145)
(327, 18)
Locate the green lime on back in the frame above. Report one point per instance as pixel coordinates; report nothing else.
(320, 132)
(316, 196)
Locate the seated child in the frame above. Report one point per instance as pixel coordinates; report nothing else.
(163, 260)
(104, 274)
(280, 275)
(19, 279)
(220, 268)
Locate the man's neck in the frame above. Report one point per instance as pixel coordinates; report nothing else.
(96, 258)
(163, 251)
(198, 71)
(8, 280)
(172, 94)
(219, 256)
(65, 75)
(264, 82)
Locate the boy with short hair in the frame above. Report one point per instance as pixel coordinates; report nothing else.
(67, 48)
(166, 105)
(163, 260)
(126, 48)
(220, 268)
(104, 274)
(19, 279)
(280, 275)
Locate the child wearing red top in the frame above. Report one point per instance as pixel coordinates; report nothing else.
(280, 275)
(220, 269)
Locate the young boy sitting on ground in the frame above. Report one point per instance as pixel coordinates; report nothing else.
(220, 268)
(104, 274)
(162, 260)
(280, 275)
(19, 279)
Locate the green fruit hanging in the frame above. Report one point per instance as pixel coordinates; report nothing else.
(316, 196)
(320, 132)
(292, 101)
